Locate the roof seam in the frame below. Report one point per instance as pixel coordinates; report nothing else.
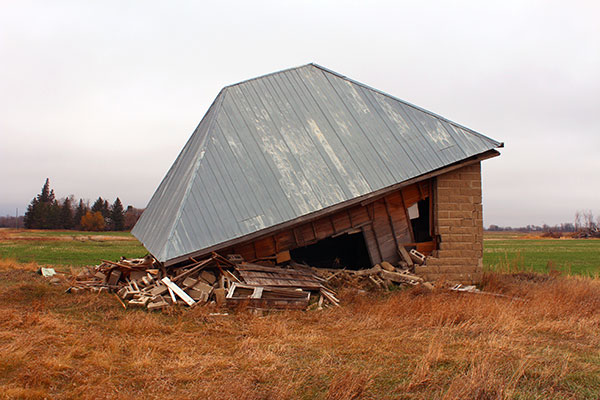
(307, 134)
(291, 154)
(268, 163)
(331, 124)
(275, 207)
(402, 101)
(357, 123)
(385, 123)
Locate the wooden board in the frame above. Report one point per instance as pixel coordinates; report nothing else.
(178, 291)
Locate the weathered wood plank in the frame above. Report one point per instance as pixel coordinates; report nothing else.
(178, 291)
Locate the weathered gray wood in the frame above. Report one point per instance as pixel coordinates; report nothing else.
(200, 265)
(405, 256)
(178, 291)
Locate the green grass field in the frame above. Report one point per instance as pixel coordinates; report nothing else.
(503, 251)
(67, 248)
(511, 252)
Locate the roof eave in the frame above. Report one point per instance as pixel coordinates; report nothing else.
(316, 214)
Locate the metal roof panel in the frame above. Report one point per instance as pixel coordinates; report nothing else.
(277, 147)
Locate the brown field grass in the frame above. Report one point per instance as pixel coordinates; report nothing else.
(409, 344)
(36, 235)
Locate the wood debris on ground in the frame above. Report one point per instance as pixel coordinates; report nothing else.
(381, 276)
(232, 282)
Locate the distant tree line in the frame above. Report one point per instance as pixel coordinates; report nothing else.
(10, 221)
(46, 212)
(584, 222)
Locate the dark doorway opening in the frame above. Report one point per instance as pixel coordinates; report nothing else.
(421, 225)
(344, 251)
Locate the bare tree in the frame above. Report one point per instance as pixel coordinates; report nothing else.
(577, 220)
(588, 220)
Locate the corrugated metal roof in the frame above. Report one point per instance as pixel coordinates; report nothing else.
(277, 147)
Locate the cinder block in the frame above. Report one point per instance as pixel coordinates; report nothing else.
(433, 261)
(476, 193)
(475, 184)
(467, 207)
(460, 229)
(443, 214)
(457, 254)
(443, 229)
(448, 253)
(460, 214)
(457, 198)
(426, 269)
(457, 246)
(471, 176)
(443, 192)
(445, 206)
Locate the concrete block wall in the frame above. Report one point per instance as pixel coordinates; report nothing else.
(458, 223)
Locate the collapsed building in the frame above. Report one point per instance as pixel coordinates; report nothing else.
(309, 165)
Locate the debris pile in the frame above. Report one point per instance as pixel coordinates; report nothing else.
(380, 276)
(229, 282)
(232, 282)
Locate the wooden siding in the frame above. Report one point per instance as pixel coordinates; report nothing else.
(383, 221)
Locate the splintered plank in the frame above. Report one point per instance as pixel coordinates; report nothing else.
(178, 291)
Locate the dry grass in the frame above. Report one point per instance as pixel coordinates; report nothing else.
(406, 345)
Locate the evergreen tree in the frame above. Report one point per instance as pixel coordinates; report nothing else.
(106, 213)
(82, 208)
(117, 216)
(31, 217)
(47, 195)
(39, 212)
(106, 209)
(46, 212)
(103, 207)
(98, 205)
(54, 215)
(66, 214)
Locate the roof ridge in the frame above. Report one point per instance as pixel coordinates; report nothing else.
(269, 74)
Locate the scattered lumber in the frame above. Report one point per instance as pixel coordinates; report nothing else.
(380, 276)
(260, 297)
(224, 281)
(233, 282)
(400, 277)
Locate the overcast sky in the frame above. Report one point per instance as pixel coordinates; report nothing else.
(100, 97)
